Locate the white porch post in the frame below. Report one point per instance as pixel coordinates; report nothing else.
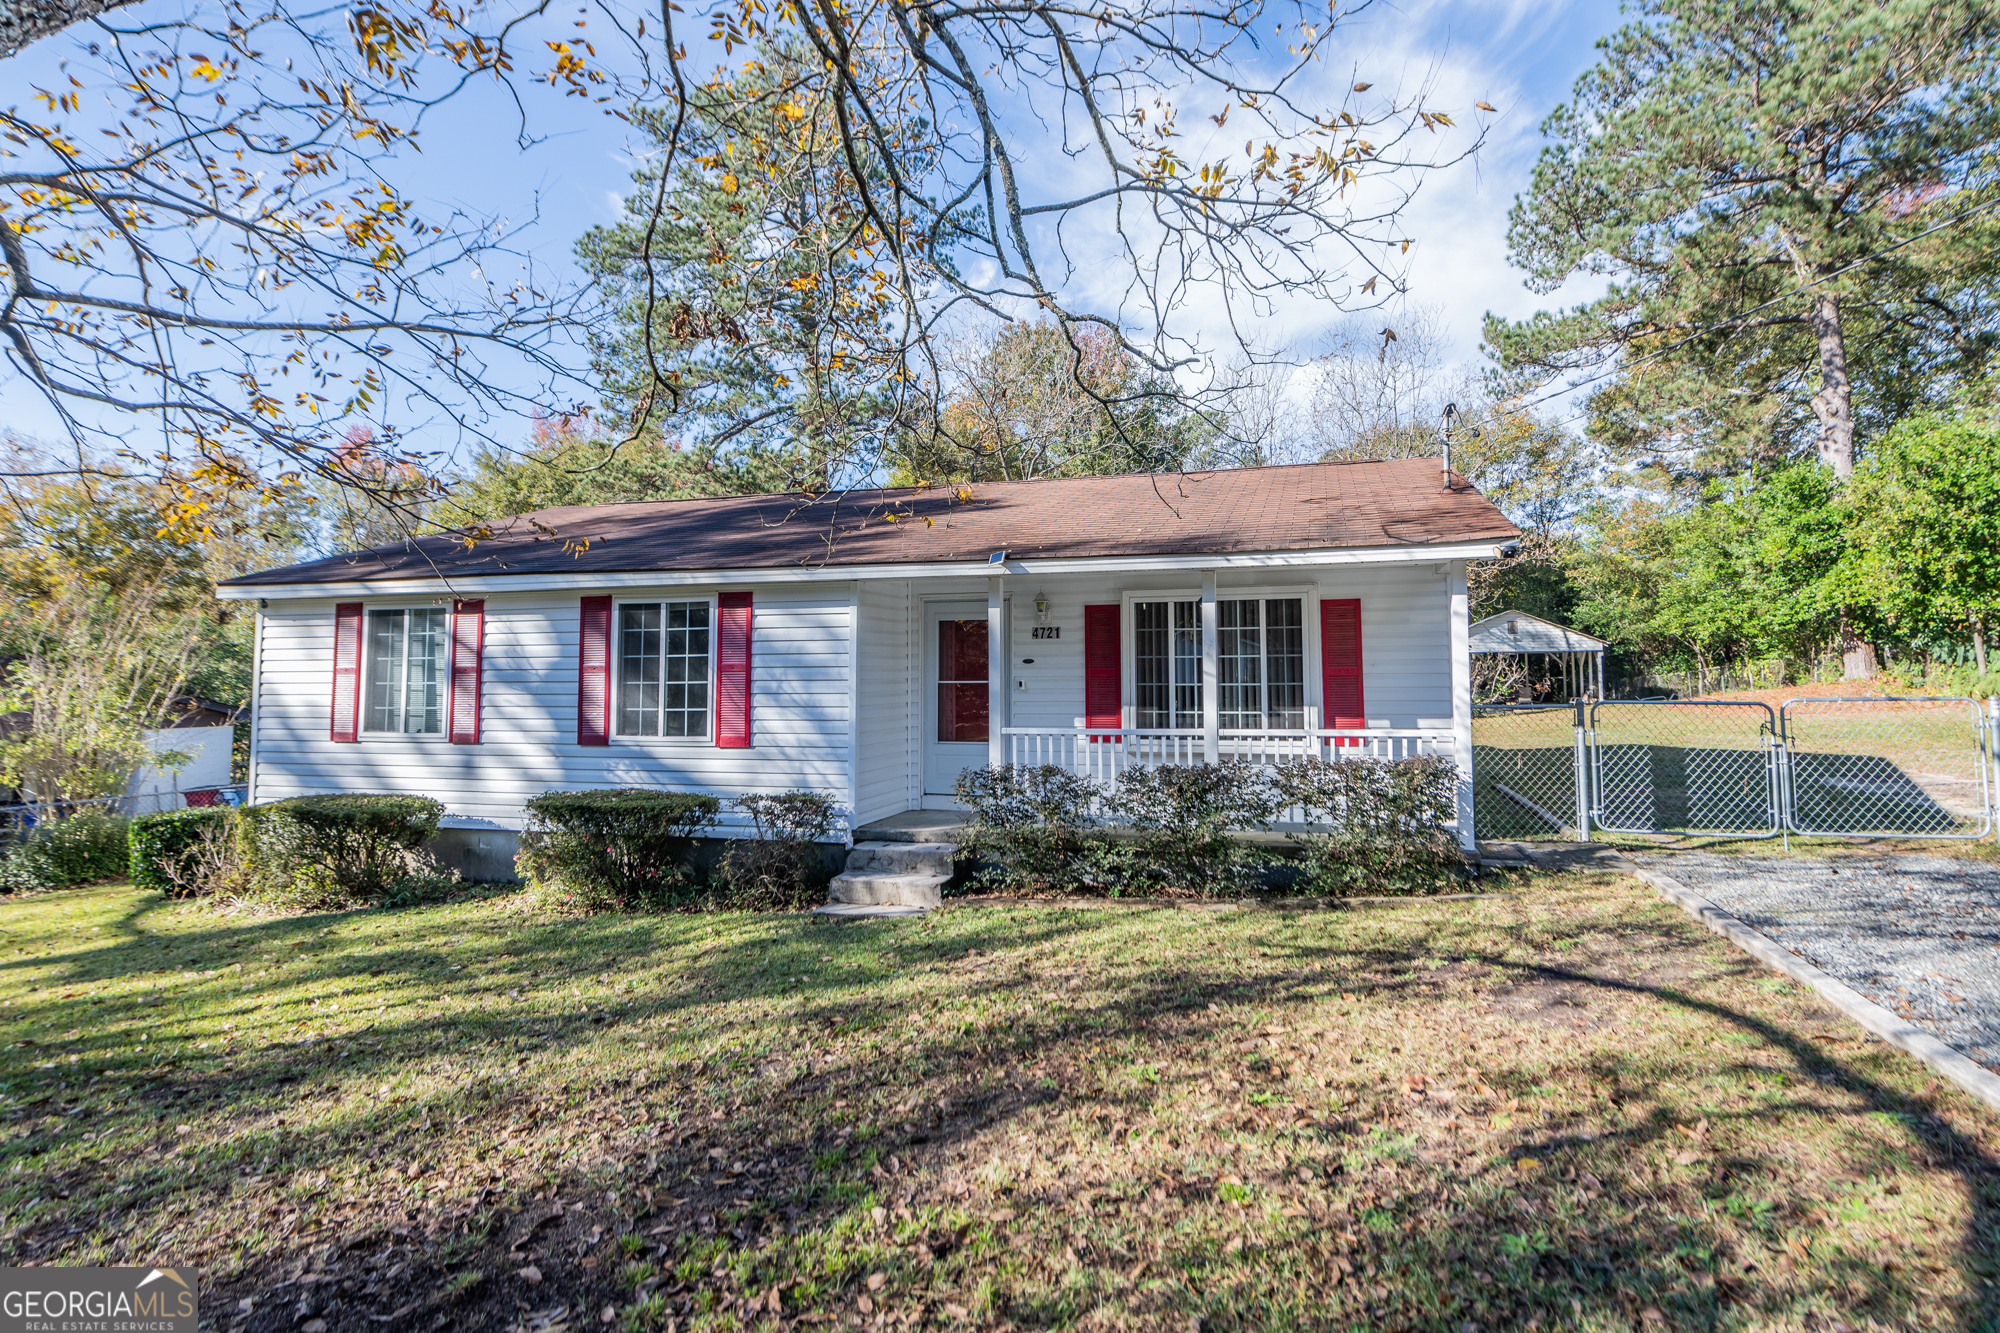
(1461, 695)
(996, 672)
(853, 712)
(256, 702)
(1211, 672)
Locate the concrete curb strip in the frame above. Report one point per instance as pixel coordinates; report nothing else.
(1960, 1068)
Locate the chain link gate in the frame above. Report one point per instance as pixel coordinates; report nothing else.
(1876, 767)
(1524, 771)
(1685, 766)
(1888, 767)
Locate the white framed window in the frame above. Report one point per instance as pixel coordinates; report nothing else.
(1166, 663)
(1263, 638)
(1261, 663)
(405, 663)
(665, 656)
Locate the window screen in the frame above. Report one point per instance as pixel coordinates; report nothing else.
(663, 671)
(406, 665)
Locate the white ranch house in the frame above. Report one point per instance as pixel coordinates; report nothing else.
(845, 643)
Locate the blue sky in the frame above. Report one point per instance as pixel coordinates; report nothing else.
(1520, 55)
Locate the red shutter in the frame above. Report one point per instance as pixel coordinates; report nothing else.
(468, 648)
(593, 673)
(1340, 661)
(346, 670)
(1103, 682)
(732, 671)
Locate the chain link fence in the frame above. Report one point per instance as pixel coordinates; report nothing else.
(1884, 767)
(1524, 771)
(1737, 768)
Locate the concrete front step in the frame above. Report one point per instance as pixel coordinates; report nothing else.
(888, 888)
(903, 858)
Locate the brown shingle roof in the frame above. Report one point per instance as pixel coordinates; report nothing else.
(1310, 506)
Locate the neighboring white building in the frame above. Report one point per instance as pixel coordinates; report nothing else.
(768, 643)
(203, 731)
(1518, 634)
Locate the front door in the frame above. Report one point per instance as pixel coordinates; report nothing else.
(956, 710)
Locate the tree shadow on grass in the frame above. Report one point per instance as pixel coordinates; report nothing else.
(812, 1141)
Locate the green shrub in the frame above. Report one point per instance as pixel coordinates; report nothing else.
(784, 866)
(626, 848)
(1033, 829)
(1379, 825)
(75, 849)
(182, 853)
(1182, 815)
(328, 851)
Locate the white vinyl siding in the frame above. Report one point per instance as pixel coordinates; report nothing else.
(887, 741)
(799, 714)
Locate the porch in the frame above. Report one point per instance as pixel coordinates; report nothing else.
(1102, 672)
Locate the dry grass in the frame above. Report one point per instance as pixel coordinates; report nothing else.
(1572, 1109)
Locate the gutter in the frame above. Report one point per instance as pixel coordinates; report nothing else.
(473, 584)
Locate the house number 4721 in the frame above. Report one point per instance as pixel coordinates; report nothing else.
(1046, 632)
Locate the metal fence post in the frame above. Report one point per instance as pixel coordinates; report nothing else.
(1993, 763)
(1582, 778)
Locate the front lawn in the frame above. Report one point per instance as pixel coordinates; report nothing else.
(1572, 1109)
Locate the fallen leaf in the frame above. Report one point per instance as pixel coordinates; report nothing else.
(530, 1275)
(1004, 1215)
(875, 1281)
(313, 1326)
(867, 1306)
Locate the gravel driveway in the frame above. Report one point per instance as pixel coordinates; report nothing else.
(1919, 935)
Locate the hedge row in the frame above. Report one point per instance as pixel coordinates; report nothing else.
(634, 850)
(313, 851)
(1375, 826)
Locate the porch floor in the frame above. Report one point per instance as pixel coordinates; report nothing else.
(914, 826)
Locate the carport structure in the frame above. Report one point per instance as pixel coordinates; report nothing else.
(1579, 656)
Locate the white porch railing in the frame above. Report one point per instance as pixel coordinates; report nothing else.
(1103, 754)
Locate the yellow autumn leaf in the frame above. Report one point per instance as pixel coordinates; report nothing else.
(729, 183)
(206, 70)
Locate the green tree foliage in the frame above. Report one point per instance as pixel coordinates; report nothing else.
(570, 464)
(107, 613)
(1041, 400)
(1753, 178)
(744, 314)
(1925, 540)
(1750, 571)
